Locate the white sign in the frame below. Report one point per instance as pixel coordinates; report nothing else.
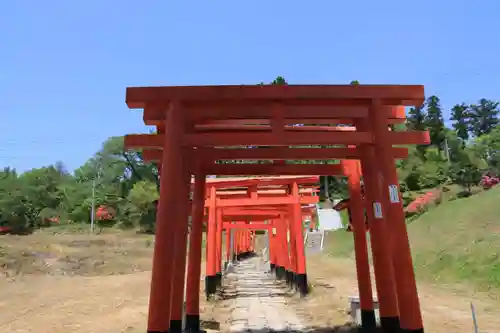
(274, 231)
(377, 210)
(288, 235)
(393, 193)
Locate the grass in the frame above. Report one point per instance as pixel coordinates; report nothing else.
(62, 251)
(457, 241)
(460, 241)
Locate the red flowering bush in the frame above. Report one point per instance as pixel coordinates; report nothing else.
(104, 213)
(488, 182)
(422, 203)
(5, 229)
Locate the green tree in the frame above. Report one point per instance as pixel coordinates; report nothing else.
(467, 171)
(487, 148)
(141, 206)
(435, 121)
(279, 80)
(416, 119)
(483, 117)
(461, 117)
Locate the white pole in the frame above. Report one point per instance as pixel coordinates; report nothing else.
(92, 210)
(474, 320)
(447, 149)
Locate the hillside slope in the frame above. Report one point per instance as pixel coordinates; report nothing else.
(457, 241)
(460, 240)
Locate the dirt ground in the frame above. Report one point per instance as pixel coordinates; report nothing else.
(444, 308)
(77, 283)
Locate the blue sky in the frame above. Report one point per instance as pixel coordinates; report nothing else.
(64, 65)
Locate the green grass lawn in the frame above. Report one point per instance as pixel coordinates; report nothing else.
(457, 241)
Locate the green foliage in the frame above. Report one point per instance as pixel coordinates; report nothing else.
(461, 117)
(483, 117)
(121, 181)
(435, 121)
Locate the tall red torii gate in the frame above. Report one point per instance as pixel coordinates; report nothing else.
(210, 117)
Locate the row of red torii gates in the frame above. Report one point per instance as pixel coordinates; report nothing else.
(200, 126)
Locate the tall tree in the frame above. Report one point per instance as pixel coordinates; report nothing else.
(416, 119)
(460, 116)
(435, 121)
(483, 116)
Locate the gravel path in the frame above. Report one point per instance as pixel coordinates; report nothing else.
(257, 301)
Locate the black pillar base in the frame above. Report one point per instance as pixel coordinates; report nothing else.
(405, 330)
(149, 331)
(193, 324)
(290, 278)
(280, 272)
(287, 277)
(225, 265)
(390, 324)
(234, 258)
(302, 284)
(175, 326)
(272, 267)
(218, 280)
(210, 285)
(368, 321)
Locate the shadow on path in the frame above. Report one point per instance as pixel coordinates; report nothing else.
(346, 328)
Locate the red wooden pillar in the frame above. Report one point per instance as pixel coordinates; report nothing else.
(180, 249)
(211, 243)
(245, 241)
(409, 305)
(379, 238)
(218, 254)
(292, 249)
(239, 241)
(302, 283)
(283, 259)
(194, 262)
(356, 210)
(161, 280)
(234, 249)
(271, 247)
(236, 243)
(228, 245)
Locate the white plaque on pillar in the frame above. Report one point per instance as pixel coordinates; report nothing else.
(274, 231)
(377, 210)
(393, 193)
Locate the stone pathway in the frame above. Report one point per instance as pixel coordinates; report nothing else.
(257, 301)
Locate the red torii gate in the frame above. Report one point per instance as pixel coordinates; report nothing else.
(279, 217)
(205, 117)
(253, 198)
(349, 168)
